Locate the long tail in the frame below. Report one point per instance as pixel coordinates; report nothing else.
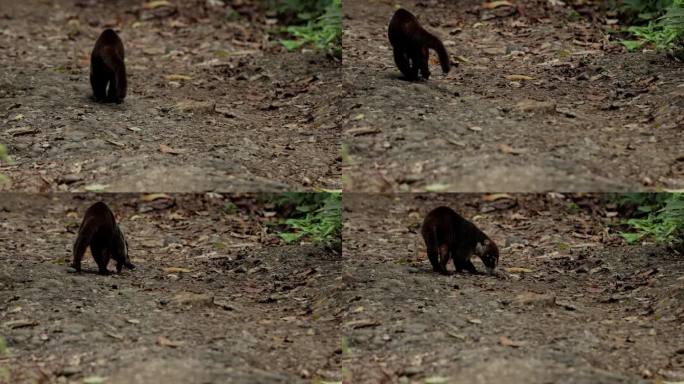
(85, 233)
(435, 43)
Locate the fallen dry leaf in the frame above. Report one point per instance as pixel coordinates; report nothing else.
(518, 270)
(14, 324)
(507, 149)
(362, 131)
(176, 270)
(157, 4)
(163, 148)
(164, 342)
(496, 196)
(519, 77)
(506, 342)
(496, 4)
(155, 196)
(177, 77)
(356, 324)
(95, 187)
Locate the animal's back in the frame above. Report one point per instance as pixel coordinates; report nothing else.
(401, 27)
(445, 226)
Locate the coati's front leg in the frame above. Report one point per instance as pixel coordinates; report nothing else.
(467, 265)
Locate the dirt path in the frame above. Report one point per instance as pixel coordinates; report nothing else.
(592, 118)
(247, 310)
(591, 310)
(214, 102)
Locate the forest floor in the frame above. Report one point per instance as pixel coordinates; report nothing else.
(215, 296)
(579, 306)
(214, 102)
(542, 101)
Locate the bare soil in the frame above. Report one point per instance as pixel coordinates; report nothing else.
(579, 307)
(214, 102)
(237, 305)
(543, 100)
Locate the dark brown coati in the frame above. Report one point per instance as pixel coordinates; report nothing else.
(411, 42)
(107, 68)
(100, 232)
(448, 235)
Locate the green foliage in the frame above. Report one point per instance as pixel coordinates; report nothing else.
(306, 9)
(316, 216)
(230, 208)
(658, 22)
(319, 23)
(644, 10)
(658, 215)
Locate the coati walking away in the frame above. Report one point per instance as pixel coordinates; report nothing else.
(448, 235)
(411, 42)
(100, 232)
(107, 68)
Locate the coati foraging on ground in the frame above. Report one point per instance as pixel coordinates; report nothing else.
(411, 42)
(100, 232)
(447, 234)
(107, 68)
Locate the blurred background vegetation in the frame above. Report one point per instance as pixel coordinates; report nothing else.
(653, 216)
(316, 23)
(658, 23)
(315, 217)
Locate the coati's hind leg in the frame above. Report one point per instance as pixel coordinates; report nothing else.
(465, 264)
(79, 249)
(409, 71)
(433, 255)
(101, 256)
(98, 80)
(443, 259)
(117, 85)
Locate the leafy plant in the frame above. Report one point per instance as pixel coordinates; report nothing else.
(316, 216)
(657, 215)
(319, 23)
(658, 22)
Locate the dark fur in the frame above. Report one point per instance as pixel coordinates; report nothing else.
(107, 68)
(448, 235)
(411, 43)
(100, 232)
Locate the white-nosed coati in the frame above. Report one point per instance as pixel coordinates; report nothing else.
(448, 235)
(100, 232)
(411, 42)
(107, 68)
